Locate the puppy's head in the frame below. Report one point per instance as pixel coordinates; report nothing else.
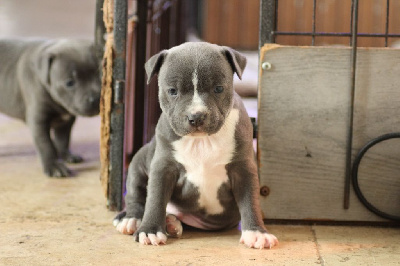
(69, 70)
(195, 83)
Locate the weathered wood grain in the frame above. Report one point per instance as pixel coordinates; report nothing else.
(304, 102)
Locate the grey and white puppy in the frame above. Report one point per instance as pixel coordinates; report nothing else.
(46, 83)
(200, 168)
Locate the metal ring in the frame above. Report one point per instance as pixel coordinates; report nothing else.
(354, 175)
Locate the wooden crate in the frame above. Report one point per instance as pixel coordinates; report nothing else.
(304, 102)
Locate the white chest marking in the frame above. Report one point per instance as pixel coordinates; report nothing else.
(205, 158)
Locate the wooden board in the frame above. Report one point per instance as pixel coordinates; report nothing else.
(232, 23)
(304, 102)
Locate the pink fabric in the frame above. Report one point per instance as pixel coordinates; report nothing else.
(191, 219)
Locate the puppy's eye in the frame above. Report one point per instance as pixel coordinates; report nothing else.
(172, 91)
(70, 83)
(219, 89)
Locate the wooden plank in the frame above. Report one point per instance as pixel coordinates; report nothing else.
(394, 21)
(372, 18)
(333, 16)
(233, 23)
(303, 121)
(248, 21)
(377, 112)
(229, 25)
(211, 20)
(294, 16)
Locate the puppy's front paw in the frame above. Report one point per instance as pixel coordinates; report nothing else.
(153, 239)
(257, 239)
(127, 226)
(57, 169)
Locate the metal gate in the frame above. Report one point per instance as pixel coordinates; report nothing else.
(135, 29)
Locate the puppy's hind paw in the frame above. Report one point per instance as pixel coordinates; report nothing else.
(257, 239)
(174, 226)
(127, 226)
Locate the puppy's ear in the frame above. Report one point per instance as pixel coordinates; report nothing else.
(235, 59)
(43, 66)
(153, 65)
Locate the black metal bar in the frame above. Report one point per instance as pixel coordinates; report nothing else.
(268, 13)
(161, 8)
(351, 21)
(161, 39)
(140, 76)
(181, 22)
(313, 22)
(351, 111)
(387, 23)
(340, 34)
(118, 109)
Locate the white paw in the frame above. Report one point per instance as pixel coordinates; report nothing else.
(257, 239)
(153, 239)
(127, 226)
(174, 226)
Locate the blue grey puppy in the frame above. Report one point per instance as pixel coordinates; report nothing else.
(47, 83)
(200, 168)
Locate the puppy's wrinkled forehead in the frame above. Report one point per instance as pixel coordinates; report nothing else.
(205, 57)
(196, 66)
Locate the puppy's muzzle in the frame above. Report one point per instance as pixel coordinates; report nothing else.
(197, 119)
(90, 105)
(93, 100)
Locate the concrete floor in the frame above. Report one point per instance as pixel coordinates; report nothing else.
(47, 221)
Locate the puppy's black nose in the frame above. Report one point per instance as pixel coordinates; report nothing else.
(196, 119)
(93, 99)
